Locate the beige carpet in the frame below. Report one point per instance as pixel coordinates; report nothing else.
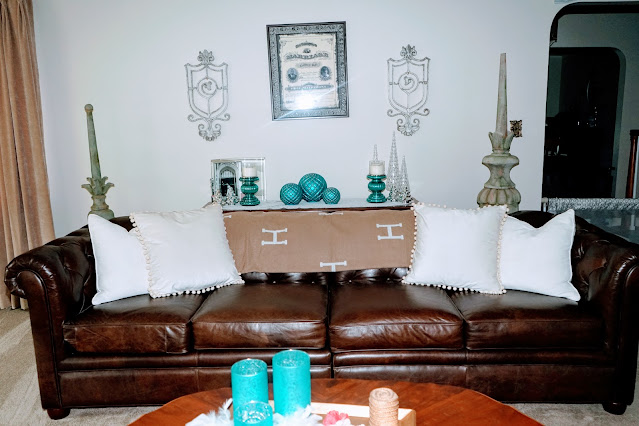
(20, 399)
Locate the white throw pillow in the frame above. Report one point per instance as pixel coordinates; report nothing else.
(538, 259)
(186, 252)
(457, 249)
(120, 267)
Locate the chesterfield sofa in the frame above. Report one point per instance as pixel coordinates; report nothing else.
(365, 324)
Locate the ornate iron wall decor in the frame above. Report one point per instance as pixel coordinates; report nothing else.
(408, 89)
(208, 93)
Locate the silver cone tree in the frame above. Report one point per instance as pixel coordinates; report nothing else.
(393, 176)
(404, 185)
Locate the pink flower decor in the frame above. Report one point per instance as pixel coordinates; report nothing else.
(333, 417)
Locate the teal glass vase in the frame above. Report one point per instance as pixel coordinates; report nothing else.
(291, 381)
(249, 382)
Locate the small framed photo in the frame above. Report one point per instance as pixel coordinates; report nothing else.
(226, 174)
(308, 70)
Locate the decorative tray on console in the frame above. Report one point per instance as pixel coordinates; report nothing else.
(358, 414)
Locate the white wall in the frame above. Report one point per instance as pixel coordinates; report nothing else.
(620, 31)
(127, 59)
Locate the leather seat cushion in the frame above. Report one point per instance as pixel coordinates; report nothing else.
(138, 324)
(525, 320)
(260, 315)
(393, 316)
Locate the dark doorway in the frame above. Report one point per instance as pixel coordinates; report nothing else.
(581, 116)
(575, 164)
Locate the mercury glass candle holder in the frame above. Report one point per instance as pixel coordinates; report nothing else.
(249, 188)
(249, 382)
(376, 186)
(291, 381)
(253, 413)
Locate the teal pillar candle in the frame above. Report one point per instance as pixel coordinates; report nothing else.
(291, 381)
(253, 413)
(249, 382)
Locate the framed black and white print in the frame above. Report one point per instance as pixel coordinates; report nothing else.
(226, 173)
(308, 70)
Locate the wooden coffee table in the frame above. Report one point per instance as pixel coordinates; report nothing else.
(434, 404)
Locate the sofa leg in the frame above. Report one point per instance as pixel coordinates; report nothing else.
(58, 413)
(615, 407)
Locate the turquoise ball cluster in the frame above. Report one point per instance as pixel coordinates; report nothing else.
(312, 187)
(331, 196)
(291, 193)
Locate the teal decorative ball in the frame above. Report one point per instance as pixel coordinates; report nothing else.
(291, 193)
(313, 186)
(331, 196)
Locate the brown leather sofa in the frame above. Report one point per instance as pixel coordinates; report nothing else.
(356, 324)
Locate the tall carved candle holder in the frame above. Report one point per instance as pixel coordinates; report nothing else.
(97, 185)
(249, 187)
(500, 189)
(376, 186)
(376, 175)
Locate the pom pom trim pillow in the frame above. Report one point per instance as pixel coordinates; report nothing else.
(457, 249)
(186, 252)
(120, 268)
(538, 259)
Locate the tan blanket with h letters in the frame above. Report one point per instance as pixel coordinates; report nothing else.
(320, 241)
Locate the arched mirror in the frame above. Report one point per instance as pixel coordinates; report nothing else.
(591, 110)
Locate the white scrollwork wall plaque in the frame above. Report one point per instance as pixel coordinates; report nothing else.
(408, 89)
(207, 86)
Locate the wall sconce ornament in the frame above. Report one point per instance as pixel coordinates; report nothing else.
(500, 189)
(208, 92)
(408, 89)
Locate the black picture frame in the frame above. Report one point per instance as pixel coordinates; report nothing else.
(307, 65)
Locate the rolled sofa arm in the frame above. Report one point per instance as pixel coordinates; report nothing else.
(57, 280)
(606, 270)
(606, 274)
